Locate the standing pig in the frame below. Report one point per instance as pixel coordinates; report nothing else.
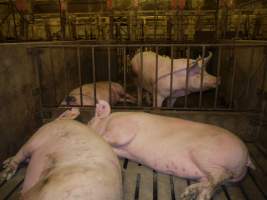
(68, 160)
(146, 77)
(102, 92)
(175, 146)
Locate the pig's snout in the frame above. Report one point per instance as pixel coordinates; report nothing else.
(70, 100)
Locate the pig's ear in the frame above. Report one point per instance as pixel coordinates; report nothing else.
(102, 109)
(70, 114)
(206, 60)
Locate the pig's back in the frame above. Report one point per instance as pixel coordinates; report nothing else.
(74, 157)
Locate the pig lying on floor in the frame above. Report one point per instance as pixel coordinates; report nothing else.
(102, 92)
(174, 146)
(68, 160)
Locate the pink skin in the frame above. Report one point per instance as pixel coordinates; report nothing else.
(148, 80)
(102, 92)
(174, 146)
(68, 160)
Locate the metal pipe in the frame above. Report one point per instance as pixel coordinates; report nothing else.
(53, 76)
(187, 76)
(142, 69)
(218, 76)
(80, 74)
(233, 79)
(109, 76)
(171, 78)
(156, 76)
(66, 88)
(124, 73)
(202, 75)
(94, 73)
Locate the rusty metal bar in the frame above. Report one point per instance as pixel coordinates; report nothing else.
(94, 73)
(202, 76)
(156, 80)
(109, 77)
(124, 73)
(53, 76)
(187, 76)
(233, 79)
(80, 74)
(171, 78)
(218, 76)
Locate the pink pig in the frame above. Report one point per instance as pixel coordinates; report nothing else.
(102, 92)
(207, 153)
(146, 77)
(68, 160)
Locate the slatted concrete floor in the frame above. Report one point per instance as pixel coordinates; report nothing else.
(142, 183)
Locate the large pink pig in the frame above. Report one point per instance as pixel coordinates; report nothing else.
(146, 76)
(175, 146)
(102, 92)
(68, 160)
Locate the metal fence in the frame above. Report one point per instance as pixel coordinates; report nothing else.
(241, 68)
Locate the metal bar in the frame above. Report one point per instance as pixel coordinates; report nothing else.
(251, 67)
(109, 77)
(53, 76)
(156, 80)
(187, 76)
(202, 76)
(155, 185)
(137, 187)
(69, 44)
(171, 78)
(233, 80)
(80, 74)
(172, 188)
(140, 88)
(66, 88)
(94, 73)
(124, 73)
(218, 76)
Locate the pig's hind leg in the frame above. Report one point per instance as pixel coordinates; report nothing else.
(205, 188)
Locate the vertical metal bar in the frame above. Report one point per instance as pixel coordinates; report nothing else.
(124, 72)
(233, 80)
(202, 75)
(94, 73)
(156, 76)
(250, 65)
(187, 75)
(109, 77)
(53, 76)
(80, 74)
(66, 88)
(171, 78)
(218, 76)
(141, 77)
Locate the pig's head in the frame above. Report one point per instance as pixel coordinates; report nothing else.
(209, 81)
(102, 109)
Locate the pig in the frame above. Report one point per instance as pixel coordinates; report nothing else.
(203, 152)
(146, 77)
(102, 92)
(68, 160)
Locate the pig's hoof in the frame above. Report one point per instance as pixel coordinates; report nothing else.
(204, 195)
(191, 192)
(10, 167)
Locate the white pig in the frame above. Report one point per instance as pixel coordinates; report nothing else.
(68, 160)
(102, 92)
(207, 153)
(146, 76)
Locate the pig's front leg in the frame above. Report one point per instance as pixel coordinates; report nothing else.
(11, 164)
